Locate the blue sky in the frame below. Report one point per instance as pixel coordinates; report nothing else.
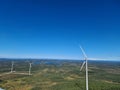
(55, 28)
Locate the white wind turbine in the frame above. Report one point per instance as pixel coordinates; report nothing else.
(30, 66)
(12, 66)
(85, 62)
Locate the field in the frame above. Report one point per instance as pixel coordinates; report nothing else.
(59, 75)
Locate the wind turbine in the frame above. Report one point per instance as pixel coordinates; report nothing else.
(12, 66)
(85, 62)
(30, 66)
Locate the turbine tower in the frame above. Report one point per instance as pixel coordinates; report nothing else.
(12, 66)
(85, 62)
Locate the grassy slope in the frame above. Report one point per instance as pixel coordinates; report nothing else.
(66, 77)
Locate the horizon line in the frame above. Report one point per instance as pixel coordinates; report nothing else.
(61, 59)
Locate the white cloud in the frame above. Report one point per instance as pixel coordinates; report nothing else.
(112, 58)
(40, 56)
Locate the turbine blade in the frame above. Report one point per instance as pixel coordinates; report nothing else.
(82, 66)
(83, 52)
